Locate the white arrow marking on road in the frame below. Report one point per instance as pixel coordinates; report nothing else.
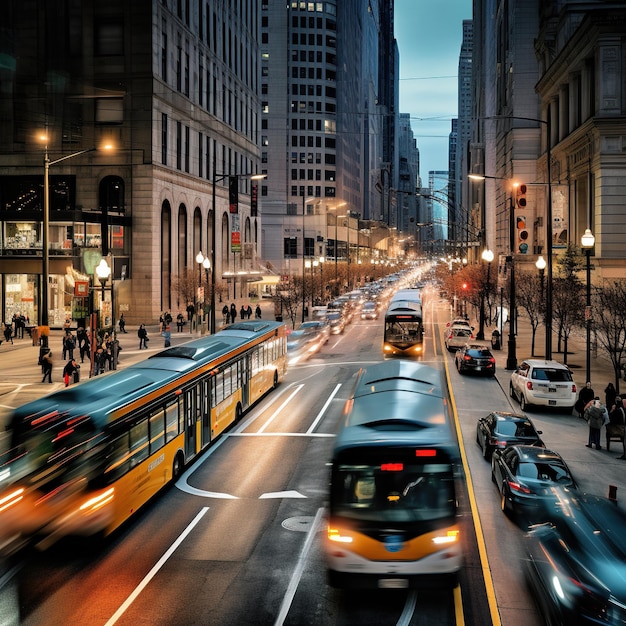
(281, 494)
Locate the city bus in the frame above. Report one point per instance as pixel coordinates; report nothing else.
(403, 333)
(84, 459)
(393, 520)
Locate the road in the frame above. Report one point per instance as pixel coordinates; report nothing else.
(238, 539)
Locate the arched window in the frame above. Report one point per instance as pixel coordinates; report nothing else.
(198, 245)
(182, 239)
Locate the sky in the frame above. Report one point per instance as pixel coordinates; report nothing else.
(429, 35)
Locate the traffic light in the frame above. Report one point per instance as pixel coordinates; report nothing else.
(520, 198)
(233, 194)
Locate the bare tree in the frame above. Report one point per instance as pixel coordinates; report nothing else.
(289, 300)
(529, 296)
(609, 322)
(568, 307)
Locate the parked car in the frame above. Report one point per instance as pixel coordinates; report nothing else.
(500, 429)
(336, 321)
(474, 357)
(543, 383)
(369, 311)
(457, 336)
(459, 321)
(575, 563)
(316, 326)
(526, 477)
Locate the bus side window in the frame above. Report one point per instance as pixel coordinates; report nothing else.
(119, 457)
(139, 442)
(157, 430)
(171, 421)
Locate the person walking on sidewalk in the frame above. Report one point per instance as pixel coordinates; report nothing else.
(617, 423)
(610, 393)
(596, 417)
(233, 312)
(257, 312)
(585, 396)
(46, 365)
(142, 333)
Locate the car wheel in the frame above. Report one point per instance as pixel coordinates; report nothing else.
(504, 503)
(512, 391)
(523, 404)
(486, 450)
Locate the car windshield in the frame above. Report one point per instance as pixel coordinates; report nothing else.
(516, 429)
(552, 375)
(461, 332)
(554, 472)
(334, 316)
(479, 353)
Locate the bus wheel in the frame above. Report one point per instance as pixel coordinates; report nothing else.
(238, 413)
(177, 467)
(275, 379)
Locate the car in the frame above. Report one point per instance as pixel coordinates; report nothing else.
(526, 477)
(336, 321)
(318, 313)
(474, 357)
(500, 429)
(460, 321)
(316, 326)
(369, 311)
(575, 562)
(543, 383)
(301, 344)
(457, 336)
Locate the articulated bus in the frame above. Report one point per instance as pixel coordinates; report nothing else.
(392, 519)
(84, 459)
(404, 325)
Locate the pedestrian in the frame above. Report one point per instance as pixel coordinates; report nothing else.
(81, 335)
(99, 361)
(190, 312)
(85, 348)
(596, 416)
(46, 365)
(142, 333)
(249, 311)
(226, 314)
(584, 397)
(257, 312)
(167, 335)
(610, 393)
(70, 372)
(233, 312)
(8, 332)
(122, 324)
(180, 322)
(242, 312)
(69, 344)
(617, 423)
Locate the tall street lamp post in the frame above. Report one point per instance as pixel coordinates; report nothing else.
(199, 261)
(321, 279)
(587, 242)
(541, 266)
(206, 264)
(486, 256)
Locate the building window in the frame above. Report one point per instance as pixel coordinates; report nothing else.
(290, 245)
(109, 111)
(109, 38)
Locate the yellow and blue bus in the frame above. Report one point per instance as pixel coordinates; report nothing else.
(403, 334)
(84, 459)
(392, 520)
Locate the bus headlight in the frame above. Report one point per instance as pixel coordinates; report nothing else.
(450, 537)
(335, 535)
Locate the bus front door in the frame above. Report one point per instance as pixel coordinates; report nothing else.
(190, 424)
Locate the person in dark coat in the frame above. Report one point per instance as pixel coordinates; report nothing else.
(257, 312)
(585, 396)
(242, 312)
(226, 314)
(70, 372)
(249, 312)
(610, 393)
(142, 333)
(46, 365)
(233, 312)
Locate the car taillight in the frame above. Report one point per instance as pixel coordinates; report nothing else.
(529, 385)
(573, 388)
(492, 360)
(518, 487)
(467, 358)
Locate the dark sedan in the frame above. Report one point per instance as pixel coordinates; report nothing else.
(500, 429)
(577, 562)
(527, 477)
(474, 357)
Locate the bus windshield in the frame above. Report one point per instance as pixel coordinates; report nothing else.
(394, 492)
(403, 329)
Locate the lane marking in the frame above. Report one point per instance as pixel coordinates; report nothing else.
(153, 572)
(280, 408)
(323, 409)
(281, 494)
(480, 536)
(298, 571)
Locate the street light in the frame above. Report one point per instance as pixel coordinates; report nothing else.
(45, 269)
(103, 271)
(541, 266)
(587, 242)
(199, 261)
(487, 255)
(322, 279)
(206, 264)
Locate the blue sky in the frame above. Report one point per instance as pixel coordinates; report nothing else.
(429, 35)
